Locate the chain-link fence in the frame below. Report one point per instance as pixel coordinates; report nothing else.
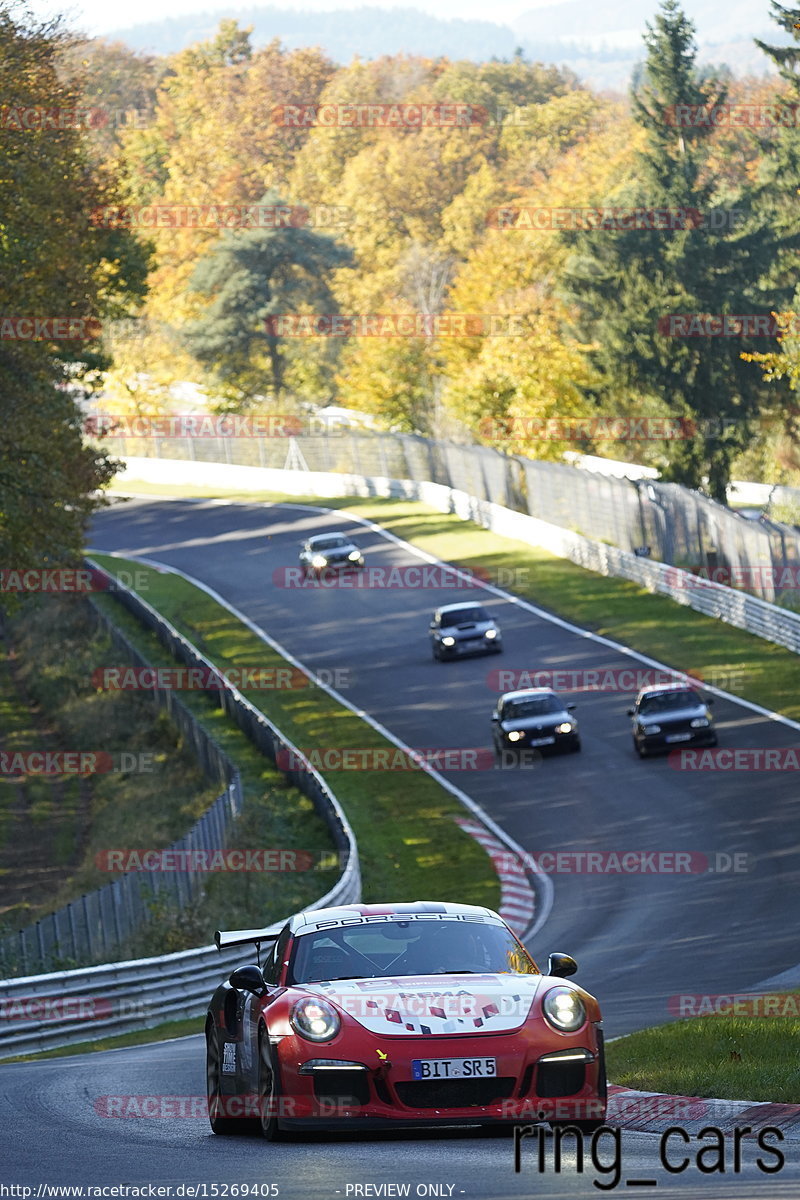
(677, 525)
(93, 928)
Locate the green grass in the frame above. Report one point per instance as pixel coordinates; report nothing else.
(719, 1057)
(54, 827)
(409, 844)
(139, 1037)
(654, 625)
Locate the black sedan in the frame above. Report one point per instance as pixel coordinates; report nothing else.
(533, 719)
(330, 552)
(467, 628)
(670, 715)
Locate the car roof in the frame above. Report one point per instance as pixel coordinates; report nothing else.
(523, 692)
(334, 533)
(655, 689)
(349, 912)
(447, 608)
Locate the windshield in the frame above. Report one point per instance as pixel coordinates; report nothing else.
(465, 616)
(407, 948)
(328, 543)
(535, 706)
(669, 702)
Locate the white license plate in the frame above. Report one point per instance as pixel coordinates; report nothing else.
(677, 737)
(542, 741)
(454, 1068)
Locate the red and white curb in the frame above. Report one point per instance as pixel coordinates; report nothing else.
(517, 898)
(653, 1112)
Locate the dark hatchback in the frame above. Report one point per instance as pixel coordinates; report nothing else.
(467, 628)
(533, 719)
(669, 716)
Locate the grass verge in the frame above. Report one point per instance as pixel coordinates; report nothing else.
(409, 844)
(720, 1057)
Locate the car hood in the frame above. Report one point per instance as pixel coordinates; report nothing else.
(467, 629)
(545, 721)
(675, 714)
(412, 1005)
(335, 551)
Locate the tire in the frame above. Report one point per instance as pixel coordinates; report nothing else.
(640, 750)
(714, 741)
(268, 1093)
(498, 649)
(437, 657)
(219, 1124)
(576, 746)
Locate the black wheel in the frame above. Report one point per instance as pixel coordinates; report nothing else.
(640, 750)
(499, 649)
(268, 1097)
(436, 652)
(216, 1099)
(576, 745)
(713, 741)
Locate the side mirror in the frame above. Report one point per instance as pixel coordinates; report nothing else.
(631, 712)
(495, 716)
(709, 699)
(248, 979)
(561, 965)
(570, 708)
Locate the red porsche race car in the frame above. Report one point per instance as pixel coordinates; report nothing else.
(368, 1016)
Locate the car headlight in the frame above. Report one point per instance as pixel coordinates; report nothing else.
(354, 555)
(319, 560)
(315, 1019)
(699, 722)
(448, 641)
(491, 634)
(565, 727)
(650, 728)
(564, 1009)
(515, 735)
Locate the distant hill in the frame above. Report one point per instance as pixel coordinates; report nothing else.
(601, 41)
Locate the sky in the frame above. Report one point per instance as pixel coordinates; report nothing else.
(96, 17)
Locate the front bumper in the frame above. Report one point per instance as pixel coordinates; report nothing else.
(549, 741)
(468, 646)
(384, 1094)
(676, 739)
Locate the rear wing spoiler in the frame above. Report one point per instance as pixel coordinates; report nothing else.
(245, 937)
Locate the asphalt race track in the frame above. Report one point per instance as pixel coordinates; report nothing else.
(639, 939)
